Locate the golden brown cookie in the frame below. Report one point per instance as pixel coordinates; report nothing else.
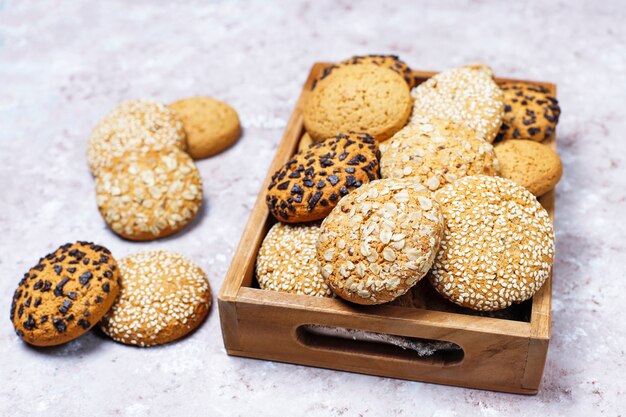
(380, 240)
(211, 125)
(287, 260)
(163, 297)
(149, 195)
(134, 125)
(532, 165)
(310, 184)
(65, 294)
(361, 98)
(466, 95)
(530, 111)
(305, 141)
(436, 152)
(393, 62)
(498, 244)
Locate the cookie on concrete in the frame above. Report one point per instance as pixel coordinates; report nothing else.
(361, 98)
(532, 165)
(134, 125)
(498, 244)
(287, 260)
(380, 240)
(211, 125)
(65, 294)
(436, 152)
(310, 184)
(393, 62)
(149, 195)
(466, 95)
(163, 297)
(530, 111)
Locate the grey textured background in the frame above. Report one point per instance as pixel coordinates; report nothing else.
(64, 64)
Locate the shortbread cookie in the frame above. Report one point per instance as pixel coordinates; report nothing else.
(530, 111)
(467, 95)
(65, 294)
(163, 297)
(310, 184)
(436, 152)
(134, 125)
(211, 125)
(305, 141)
(148, 195)
(287, 260)
(393, 62)
(532, 165)
(498, 245)
(380, 240)
(361, 98)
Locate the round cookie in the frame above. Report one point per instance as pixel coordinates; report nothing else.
(163, 297)
(65, 294)
(530, 111)
(211, 125)
(361, 98)
(310, 184)
(305, 141)
(134, 125)
(531, 164)
(287, 261)
(466, 95)
(436, 152)
(393, 62)
(149, 195)
(380, 240)
(498, 244)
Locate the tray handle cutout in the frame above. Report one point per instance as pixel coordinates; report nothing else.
(377, 345)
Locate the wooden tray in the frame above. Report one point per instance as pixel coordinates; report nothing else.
(502, 352)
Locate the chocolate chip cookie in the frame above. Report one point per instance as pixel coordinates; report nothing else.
(310, 184)
(65, 294)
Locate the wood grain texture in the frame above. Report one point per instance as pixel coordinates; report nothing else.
(498, 354)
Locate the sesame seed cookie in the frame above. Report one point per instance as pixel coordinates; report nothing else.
(149, 195)
(211, 125)
(532, 165)
(65, 294)
(530, 112)
(305, 141)
(362, 98)
(380, 240)
(134, 125)
(287, 260)
(498, 244)
(393, 62)
(437, 152)
(466, 95)
(163, 297)
(310, 184)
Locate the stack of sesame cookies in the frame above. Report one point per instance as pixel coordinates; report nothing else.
(142, 152)
(441, 205)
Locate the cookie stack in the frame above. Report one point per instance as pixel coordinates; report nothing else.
(141, 154)
(447, 203)
(146, 299)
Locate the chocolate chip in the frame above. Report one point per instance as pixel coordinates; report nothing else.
(333, 197)
(38, 285)
(294, 174)
(85, 261)
(20, 311)
(106, 288)
(59, 325)
(58, 290)
(343, 156)
(37, 302)
(73, 295)
(65, 306)
(30, 323)
(350, 170)
(99, 299)
(321, 184)
(58, 269)
(314, 199)
(308, 183)
(46, 286)
(343, 191)
(39, 267)
(84, 324)
(296, 189)
(44, 319)
(333, 179)
(84, 278)
(27, 302)
(350, 181)
(107, 274)
(283, 185)
(507, 108)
